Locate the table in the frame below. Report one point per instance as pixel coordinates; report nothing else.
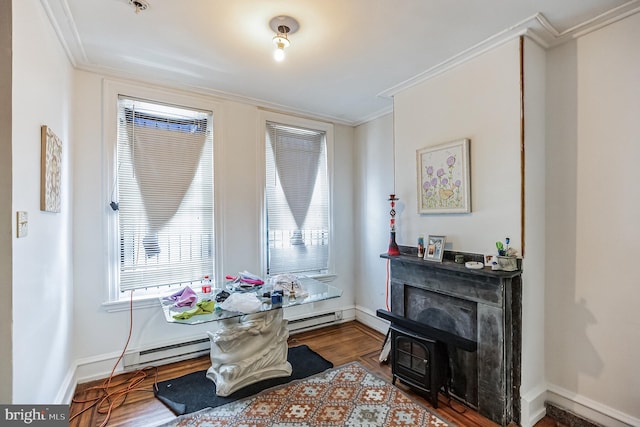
(250, 347)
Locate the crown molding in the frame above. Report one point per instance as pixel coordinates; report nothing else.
(373, 116)
(550, 36)
(62, 21)
(537, 27)
(218, 95)
(58, 13)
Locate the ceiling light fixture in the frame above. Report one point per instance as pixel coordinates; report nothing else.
(281, 41)
(282, 26)
(139, 5)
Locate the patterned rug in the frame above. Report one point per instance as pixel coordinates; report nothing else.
(348, 395)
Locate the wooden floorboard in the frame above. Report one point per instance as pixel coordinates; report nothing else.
(340, 344)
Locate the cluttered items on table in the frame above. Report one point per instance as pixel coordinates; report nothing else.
(244, 281)
(242, 293)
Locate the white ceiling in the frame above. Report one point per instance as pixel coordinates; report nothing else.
(345, 62)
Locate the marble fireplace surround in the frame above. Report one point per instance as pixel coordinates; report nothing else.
(479, 305)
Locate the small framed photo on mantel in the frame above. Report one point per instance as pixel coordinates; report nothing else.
(489, 260)
(434, 249)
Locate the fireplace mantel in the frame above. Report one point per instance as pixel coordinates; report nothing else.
(485, 306)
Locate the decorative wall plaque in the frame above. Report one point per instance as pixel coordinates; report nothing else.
(50, 171)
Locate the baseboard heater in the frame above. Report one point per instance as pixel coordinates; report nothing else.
(199, 347)
(312, 322)
(168, 353)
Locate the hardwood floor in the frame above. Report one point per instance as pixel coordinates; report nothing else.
(340, 344)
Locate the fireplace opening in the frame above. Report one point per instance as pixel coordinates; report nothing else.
(456, 318)
(438, 318)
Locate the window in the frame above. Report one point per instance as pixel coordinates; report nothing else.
(297, 200)
(164, 191)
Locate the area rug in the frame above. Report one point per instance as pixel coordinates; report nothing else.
(345, 396)
(195, 391)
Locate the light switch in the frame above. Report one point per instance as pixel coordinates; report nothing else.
(23, 221)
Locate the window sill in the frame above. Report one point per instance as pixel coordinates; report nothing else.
(325, 278)
(125, 304)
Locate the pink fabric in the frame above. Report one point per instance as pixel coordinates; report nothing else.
(183, 298)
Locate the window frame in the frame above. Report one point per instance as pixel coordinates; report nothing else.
(268, 116)
(116, 300)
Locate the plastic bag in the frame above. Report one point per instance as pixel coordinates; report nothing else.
(241, 302)
(288, 283)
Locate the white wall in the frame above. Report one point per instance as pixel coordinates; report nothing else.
(6, 208)
(101, 335)
(593, 200)
(374, 182)
(478, 100)
(345, 221)
(42, 261)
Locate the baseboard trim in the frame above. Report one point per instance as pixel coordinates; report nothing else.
(100, 368)
(532, 408)
(369, 318)
(589, 409)
(68, 387)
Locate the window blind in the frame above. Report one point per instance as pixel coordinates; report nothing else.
(297, 197)
(165, 194)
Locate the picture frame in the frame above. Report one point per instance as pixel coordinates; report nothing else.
(434, 248)
(50, 171)
(443, 178)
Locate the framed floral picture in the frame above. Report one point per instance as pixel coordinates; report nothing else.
(443, 178)
(434, 249)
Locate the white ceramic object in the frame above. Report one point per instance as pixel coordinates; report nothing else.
(474, 265)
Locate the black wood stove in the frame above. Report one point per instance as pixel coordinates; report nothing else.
(419, 355)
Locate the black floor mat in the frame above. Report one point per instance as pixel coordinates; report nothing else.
(195, 391)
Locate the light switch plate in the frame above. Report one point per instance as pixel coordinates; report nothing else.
(22, 222)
